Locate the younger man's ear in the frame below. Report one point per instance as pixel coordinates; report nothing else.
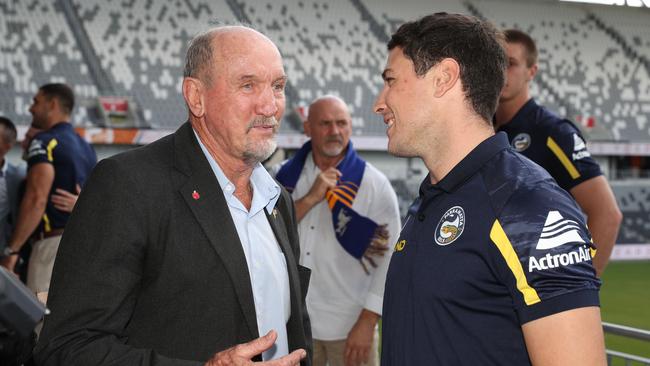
(446, 75)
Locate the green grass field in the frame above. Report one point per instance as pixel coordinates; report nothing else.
(625, 300)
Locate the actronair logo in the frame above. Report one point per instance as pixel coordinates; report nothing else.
(558, 231)
(564, 259)
(578, 143)
(579, 148)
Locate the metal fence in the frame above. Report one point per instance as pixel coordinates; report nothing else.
(620, 358)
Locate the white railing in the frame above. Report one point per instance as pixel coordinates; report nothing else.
(626, 358)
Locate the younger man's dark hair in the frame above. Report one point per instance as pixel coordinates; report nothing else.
(475, 44)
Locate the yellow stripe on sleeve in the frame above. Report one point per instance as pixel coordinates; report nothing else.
(50, 146)
(46, 223)
(500, 239)
(566, 162)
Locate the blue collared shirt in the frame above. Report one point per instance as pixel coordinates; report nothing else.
(267, 266)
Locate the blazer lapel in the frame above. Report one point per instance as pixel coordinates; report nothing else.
(202, 193)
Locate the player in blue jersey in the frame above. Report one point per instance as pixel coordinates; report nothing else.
(58, 159)
(493, 264)
(556, 144)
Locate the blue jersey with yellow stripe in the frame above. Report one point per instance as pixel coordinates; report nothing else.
(72, 159)
(493, 245)
(552, 142)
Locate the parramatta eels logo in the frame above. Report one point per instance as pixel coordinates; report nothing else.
(451, 226)
(521, 142)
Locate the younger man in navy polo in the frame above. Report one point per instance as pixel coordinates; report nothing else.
(493, 264)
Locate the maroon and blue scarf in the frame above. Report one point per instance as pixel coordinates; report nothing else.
(353, 231)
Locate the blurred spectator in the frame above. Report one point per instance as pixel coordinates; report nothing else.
(57, 158)
(556, 144)
(10, 178)
(348, 215)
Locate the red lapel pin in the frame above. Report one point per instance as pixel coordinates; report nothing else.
(196, 195)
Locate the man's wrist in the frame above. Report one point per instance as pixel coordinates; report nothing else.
(368, 317)
(8, 252)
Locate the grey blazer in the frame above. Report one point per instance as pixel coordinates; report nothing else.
(14, 176)
(148, 275)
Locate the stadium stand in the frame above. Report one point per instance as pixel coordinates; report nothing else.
(38, 47)
(584, 73)
(630, 23)
(391, 14)
(634, 201)
(594, 60)
(328, 48)
(142, 45)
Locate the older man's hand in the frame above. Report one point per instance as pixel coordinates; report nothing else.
(241, 354)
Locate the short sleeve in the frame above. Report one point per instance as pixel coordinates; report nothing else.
(572, 163)
(40, 150)
(545, 253)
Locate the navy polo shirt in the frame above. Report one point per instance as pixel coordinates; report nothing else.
(72, 159)
(493, 245)
(552, 142)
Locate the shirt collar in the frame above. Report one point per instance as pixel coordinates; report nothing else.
(266, 191)
(467, 167)
(3, 170)
(62, 125)
(522, 116)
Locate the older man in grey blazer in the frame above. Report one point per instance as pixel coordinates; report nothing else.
(184, 252)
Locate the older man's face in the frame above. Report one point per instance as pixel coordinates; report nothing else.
(245, 102)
